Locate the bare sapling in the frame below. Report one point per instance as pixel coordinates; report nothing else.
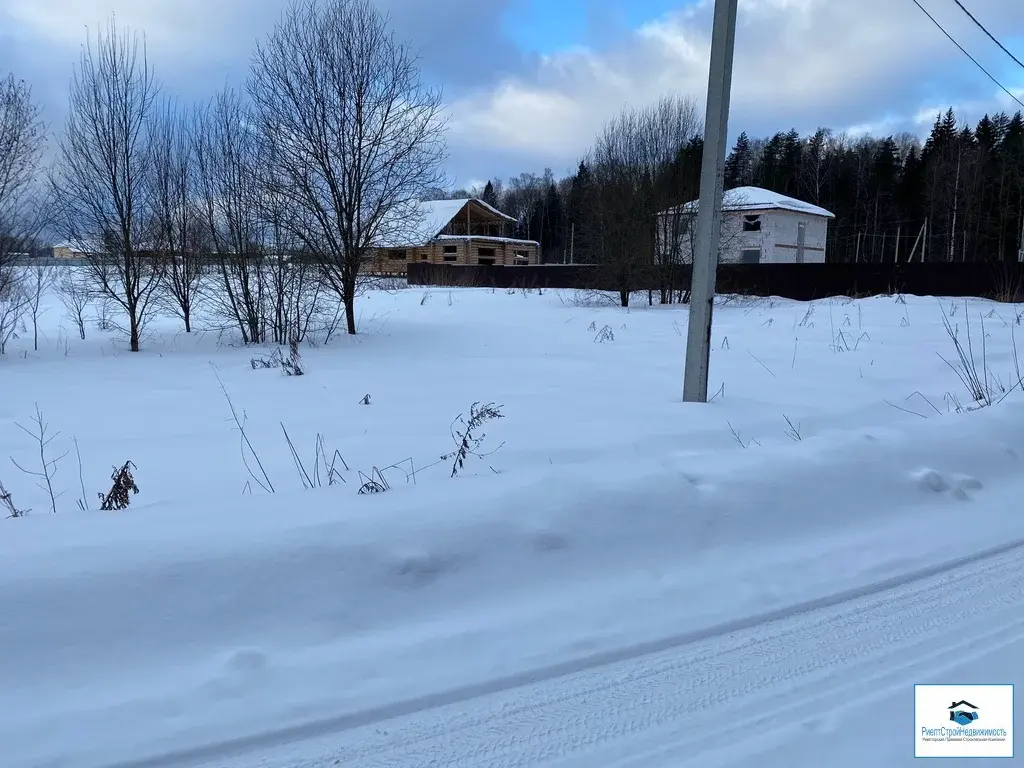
(39, 280)
(75, 294)
(120, 494)
(13, 301)
(47, 466)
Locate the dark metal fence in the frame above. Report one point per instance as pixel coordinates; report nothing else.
(803, 282)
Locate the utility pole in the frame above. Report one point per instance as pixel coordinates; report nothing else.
(709, 211)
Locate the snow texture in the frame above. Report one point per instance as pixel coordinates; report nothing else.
(626, 581)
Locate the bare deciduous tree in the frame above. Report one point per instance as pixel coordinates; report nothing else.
(357, 138)
(632, 181)
(38, 281)
(227, 157)
(22, 141)
(13, 301)
(179, 231)
(103, 182)
(75, 292)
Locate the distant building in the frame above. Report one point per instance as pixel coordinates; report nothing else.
(71, 250)
(467, 231)
(758, 227)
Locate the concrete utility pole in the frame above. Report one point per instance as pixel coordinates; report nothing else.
(709, 211)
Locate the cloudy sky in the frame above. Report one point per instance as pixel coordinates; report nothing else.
(529, 82)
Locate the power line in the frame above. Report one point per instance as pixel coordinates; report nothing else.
(965, 53)
(991, 36)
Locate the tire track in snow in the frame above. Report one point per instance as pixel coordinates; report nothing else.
(544, 724)
(631, 678)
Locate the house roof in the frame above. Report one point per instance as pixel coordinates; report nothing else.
(78, 246)
(758, 199)
(422, 222)
(440, 212)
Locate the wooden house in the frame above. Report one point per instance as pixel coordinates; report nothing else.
(467, 231)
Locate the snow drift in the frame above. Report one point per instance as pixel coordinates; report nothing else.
(209, 621)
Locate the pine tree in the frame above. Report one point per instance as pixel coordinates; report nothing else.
(489, 196)
(739, 165)
(578, 214)
(553, 226)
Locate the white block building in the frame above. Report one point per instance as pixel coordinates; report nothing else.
(758, 227)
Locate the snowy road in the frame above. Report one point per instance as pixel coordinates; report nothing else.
(711, 700)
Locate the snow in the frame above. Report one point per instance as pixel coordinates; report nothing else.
(510, 240)
(758, 199)
(611, 535)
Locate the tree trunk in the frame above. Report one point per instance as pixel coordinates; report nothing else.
(624, 297)
(350, 308)
(134, 329)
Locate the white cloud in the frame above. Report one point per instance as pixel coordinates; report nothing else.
(862, 64)
(799, 63)
(181, 26)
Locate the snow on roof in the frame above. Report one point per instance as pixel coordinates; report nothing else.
(510, 240)
(758, 199)
(437, 213)
(79, 246)
(422, 222)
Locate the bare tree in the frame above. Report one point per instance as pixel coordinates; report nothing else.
(227, 161)
(13, 301)
(75, 292)
(357, 138)
(632, 166)
(103, 181)
(179, 232)
(818, 156)
(22, 142)
(38, 281)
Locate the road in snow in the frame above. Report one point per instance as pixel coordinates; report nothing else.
(782, 690)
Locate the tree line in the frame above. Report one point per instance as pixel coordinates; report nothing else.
(261, 205)
(956, 196)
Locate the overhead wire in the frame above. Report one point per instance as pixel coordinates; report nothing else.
(992, 37)
(966, 53)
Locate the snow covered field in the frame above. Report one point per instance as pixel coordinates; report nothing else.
(607, 524)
